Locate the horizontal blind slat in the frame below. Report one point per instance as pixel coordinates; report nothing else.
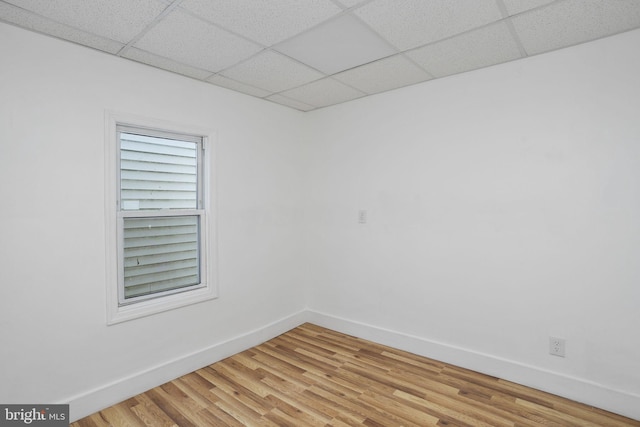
(158, 240)
(151, 176)
(172, 141)
(154, 272)
(156, 231)
(155, 147)
(165, 168)
(138, 157)
(160, 221)
(164, 204)
(153, 278)
(140, 290)
(161, 195)
(142, 260)
(159, 249)
(158, 185)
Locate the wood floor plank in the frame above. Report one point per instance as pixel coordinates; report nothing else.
(198, 388)
(94, 420)
(243, 395)
(169, 407)
(122, 415)
(150, 415)
(346, 410)
(464, 413)
(397, 408)
(215, 416)
(315, 377)
(303, 412)
(239, 410)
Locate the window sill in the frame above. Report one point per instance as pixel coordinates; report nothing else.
(124, 313)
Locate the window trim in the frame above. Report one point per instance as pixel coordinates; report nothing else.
(117, 312)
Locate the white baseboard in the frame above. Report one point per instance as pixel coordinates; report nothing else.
(579, 390)
(102, 397)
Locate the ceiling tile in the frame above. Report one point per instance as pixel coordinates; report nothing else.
(337, 45)
(350, 3)
(267, 22)
(382, 75)
(323, 92)
(283, 100)
(223, 81)
(165, 64)
(183, 38)
(420, 22)
(118, 20)
(574, 21)
(35, 22)
(518, 6)
(476, 49)
(272, 71)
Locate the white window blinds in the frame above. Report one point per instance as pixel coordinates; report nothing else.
(160, 254)
(157, 173)
(160, 213)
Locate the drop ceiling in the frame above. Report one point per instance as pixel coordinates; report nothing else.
(309, 54)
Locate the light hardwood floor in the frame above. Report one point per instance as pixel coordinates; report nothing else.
(311, 376)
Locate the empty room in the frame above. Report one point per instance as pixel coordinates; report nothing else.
(320, 212)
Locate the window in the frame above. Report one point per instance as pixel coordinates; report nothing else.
(161, 216)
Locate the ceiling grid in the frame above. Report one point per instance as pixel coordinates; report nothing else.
(309, 54)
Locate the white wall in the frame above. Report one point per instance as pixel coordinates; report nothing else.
(55, 345)
(503, 208)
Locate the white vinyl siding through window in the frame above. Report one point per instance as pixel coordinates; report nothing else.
(160, 254)
(160, 213)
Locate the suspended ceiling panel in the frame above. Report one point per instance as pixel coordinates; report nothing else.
(309, 54)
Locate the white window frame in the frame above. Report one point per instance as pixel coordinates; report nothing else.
(117, 310)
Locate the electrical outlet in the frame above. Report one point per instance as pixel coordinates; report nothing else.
(556, 346)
